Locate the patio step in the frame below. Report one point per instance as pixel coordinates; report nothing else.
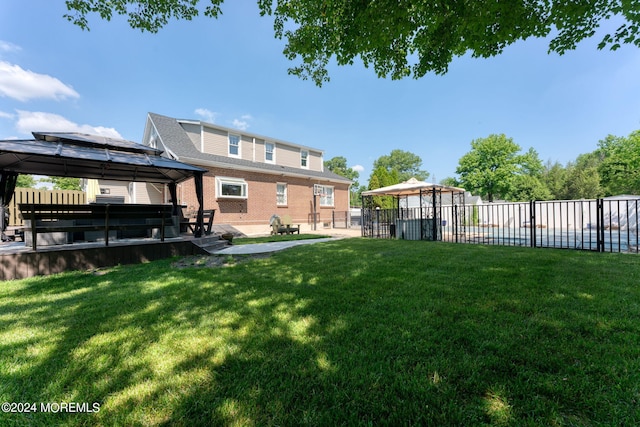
(210, 244)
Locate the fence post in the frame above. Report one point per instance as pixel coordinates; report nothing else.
(532, 222)
(600, 225)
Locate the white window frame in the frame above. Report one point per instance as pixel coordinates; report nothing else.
(304, 159)
(273, 152)
(239, 145)
(223, 180)
(281, 200)
(327, 195)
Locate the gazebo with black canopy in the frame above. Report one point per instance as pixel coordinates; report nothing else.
(80, 155)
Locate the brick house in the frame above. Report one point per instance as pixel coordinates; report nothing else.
(250, 178)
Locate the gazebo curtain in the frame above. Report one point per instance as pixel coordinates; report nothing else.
(173, 193)
(199, 194)
(7, 188)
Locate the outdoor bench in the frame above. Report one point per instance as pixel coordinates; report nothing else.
(189, 220)
(100, 219)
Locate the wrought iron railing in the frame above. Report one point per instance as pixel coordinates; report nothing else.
(602, 225)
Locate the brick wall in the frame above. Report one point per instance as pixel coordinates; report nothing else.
(261, 201)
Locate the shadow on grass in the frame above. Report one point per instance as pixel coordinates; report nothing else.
(349, 332)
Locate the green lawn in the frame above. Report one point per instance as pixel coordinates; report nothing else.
(348, 332)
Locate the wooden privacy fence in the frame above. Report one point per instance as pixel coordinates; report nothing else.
(48, 197)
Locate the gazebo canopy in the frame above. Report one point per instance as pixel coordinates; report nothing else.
(79, 155)
(411, 187)
(90, 156)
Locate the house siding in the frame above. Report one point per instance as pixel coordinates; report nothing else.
(260, 150)
(216, 142)
(246, 147)
(288, 156)
(315, 161)
(149, 193)
(115, 189)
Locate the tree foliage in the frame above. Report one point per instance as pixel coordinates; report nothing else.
(554, 176)
(395, 38)
(487, 170)
(338, 165)
(381, 177)
(63, 183)
(26, 181)
(406, 165)
(583, 180)
(620, 167)
(495, 169)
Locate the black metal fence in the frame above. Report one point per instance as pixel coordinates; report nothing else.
(340, 219)
(602, 225)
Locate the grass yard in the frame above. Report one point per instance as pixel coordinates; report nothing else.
(348, 332)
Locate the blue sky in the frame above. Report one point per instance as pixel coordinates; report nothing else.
(231, 71)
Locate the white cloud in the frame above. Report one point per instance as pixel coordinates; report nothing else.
(24, 85)
(36, 121)
(243, 122)
(358, 168)
(240, 124)
(207, 115)
(4, 115)
(8, 47)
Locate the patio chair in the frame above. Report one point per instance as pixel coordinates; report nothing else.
(283, 225)
(290, 228)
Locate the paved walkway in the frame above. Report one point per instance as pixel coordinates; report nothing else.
(261, 248)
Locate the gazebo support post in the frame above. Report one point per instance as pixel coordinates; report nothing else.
(435, 216)
(199, 195)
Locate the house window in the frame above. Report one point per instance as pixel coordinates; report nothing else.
(232, 188)
(281, 194)
(269, 152)
(326, 194)
(304, 159)
(234, 146)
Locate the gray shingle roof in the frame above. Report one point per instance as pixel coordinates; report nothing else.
(174, 138)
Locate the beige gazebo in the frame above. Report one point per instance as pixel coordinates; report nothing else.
(423, 221)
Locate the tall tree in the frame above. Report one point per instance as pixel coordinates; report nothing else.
(406, 164)
(488, 169)
(583, 178)
(526, 187)
(338, 165)
(395, 38)
(381, 177)
(620, 167)
(554, 177)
